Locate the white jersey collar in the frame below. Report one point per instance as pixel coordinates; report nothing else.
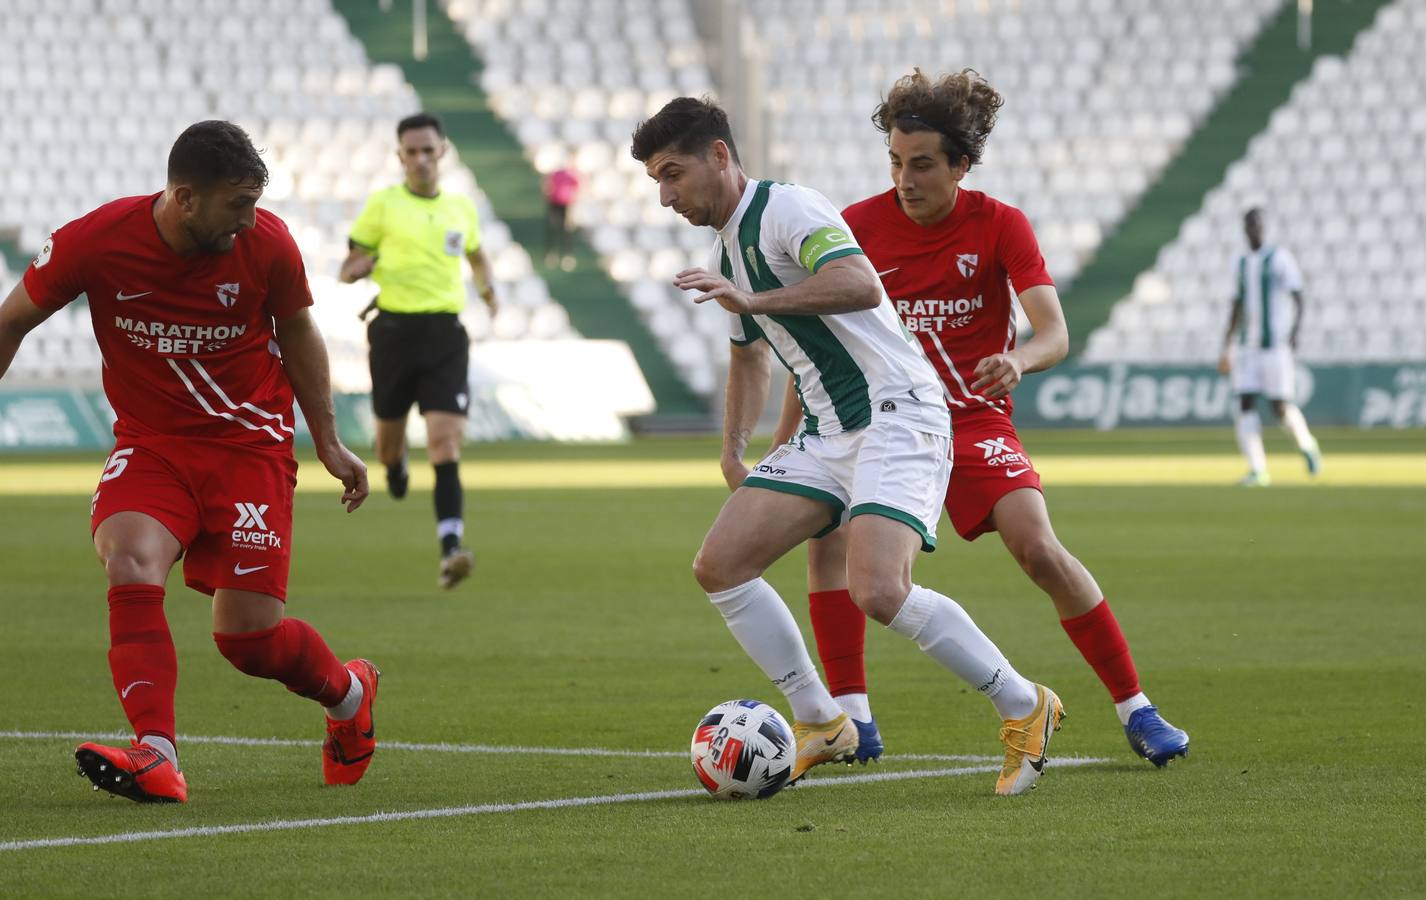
(729, 231)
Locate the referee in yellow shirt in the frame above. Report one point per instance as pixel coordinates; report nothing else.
(409, 238)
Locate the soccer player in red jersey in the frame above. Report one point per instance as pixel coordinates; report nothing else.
(948, 257)
(199, 301)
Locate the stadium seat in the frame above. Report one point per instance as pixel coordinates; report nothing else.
(288, 70)
(1356, 242)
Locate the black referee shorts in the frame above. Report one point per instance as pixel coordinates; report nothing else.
(420, 358)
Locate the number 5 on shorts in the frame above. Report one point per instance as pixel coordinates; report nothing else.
(116, 464)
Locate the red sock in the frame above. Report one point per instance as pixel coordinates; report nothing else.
(293, 653)
(840, 628)
(141, 658)
(1102, 644)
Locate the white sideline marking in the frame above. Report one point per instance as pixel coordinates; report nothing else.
(438, 747)
(128, 837)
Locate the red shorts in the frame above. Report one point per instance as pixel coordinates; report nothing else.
(987, 462)
(230, 507)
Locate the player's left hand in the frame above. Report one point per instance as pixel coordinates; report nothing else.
(714, 287)
(347, 468)
(488, 295)
(997, 375)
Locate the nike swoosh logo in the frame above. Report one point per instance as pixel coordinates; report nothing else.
(888, 271)
(124, 694)
(1038, 764)
(121, 296)
(239, 570)
(1011, 473)
(833, 739)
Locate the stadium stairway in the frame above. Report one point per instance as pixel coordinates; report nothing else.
(12, 259)
(1270, 67)
(448, 83)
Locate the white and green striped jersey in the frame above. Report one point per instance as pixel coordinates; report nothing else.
(1266, 279)
(848, 368)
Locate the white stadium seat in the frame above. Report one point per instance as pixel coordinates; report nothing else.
(1357, 241)
(288, 70)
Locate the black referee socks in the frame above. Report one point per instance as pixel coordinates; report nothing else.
(450, 503)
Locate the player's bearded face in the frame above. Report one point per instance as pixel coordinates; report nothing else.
(688, 184)
(925, 180)
(219, 214)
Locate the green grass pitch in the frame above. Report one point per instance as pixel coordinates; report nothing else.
(1284, 628)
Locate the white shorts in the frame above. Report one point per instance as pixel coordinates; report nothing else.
(1264, 370)
(886, 469)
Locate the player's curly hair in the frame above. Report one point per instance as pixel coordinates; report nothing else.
(961, 106)
(212, 151)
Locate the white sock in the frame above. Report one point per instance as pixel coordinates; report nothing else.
(855, 705)
(764, 627)
(350, 703)
(162, 745)
(1250, 440)
(946, 633)
(1296, 425)
(1125, 708)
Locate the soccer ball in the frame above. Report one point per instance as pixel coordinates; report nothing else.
(743, 749)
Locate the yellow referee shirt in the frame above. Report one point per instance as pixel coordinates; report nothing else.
(418, 243)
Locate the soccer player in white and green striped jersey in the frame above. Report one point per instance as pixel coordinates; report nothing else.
(873, 453)
(1267, 311)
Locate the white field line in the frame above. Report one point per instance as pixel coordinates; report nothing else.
(128, 837)
(437, 747)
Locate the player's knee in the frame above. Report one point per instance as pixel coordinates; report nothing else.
(880, 598)
(127, 567)
(1042, 557)
(714, 572)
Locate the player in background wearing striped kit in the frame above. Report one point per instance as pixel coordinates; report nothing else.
(1267, 313)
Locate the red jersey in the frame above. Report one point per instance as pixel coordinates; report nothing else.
(950, 282)
(187, 341)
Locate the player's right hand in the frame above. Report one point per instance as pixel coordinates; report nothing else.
(347, 468)
(734, 473)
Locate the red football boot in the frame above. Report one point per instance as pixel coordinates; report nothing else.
(138, 772)
(350, 743)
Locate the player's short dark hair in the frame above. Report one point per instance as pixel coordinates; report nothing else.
(419, 120)
(214, 151)
(684, 125)
(961, 107)
(1252, 212)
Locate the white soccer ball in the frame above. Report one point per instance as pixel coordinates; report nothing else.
(743, 750)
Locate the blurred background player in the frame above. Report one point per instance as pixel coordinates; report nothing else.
(874, 450)
(200, 306)
(947, 258)
(561, 187)
(1267, 313)
(410, 239)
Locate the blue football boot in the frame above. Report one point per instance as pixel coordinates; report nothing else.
(869, 745)
(1153, 738)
